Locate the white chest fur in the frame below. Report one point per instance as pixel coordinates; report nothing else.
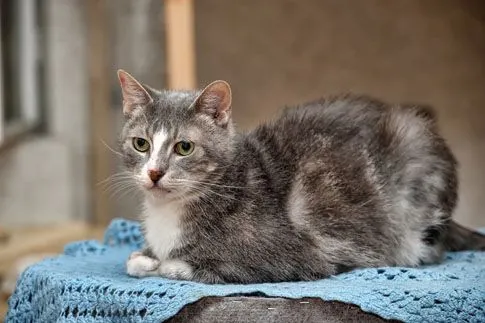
(162, 228)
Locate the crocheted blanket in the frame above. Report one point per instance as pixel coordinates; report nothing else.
(88, 283)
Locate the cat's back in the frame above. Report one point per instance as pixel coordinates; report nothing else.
(334, 123)
(348, 124)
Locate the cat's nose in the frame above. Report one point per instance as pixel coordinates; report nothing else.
(155, 175)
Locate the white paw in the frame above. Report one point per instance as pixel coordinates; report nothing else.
(139, 265)
(135, 254)
(175, 269)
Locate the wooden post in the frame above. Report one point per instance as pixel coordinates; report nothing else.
(180, 47)
(100, 120)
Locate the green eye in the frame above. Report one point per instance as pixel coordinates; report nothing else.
(141, 144)
(184, 148)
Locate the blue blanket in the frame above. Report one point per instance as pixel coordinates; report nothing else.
(88, 284)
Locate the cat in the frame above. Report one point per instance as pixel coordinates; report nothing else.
(331, 185)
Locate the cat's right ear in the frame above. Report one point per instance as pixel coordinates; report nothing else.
(134, 94)
(215, 101)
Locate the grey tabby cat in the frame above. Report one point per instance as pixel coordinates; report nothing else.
(331, 185)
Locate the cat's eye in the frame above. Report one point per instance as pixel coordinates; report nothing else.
(141, 144)
(184, 148)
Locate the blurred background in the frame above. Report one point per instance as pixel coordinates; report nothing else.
(60, 102)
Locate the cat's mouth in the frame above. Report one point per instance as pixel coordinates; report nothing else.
(156, 189)
(164, 190)
(158, 193)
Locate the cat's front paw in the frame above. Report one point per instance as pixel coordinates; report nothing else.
(176, 269)
(139, 265)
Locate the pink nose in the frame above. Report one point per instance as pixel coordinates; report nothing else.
(155, 175)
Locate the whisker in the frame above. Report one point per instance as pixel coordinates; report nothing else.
(109, 148)
(114, 185)
(122, 191)
(122, 174)
(209, 184)
(118, 188)
(126, 192)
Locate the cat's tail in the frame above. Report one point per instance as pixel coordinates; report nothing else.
(460, 238)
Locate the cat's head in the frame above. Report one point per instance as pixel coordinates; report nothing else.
(175, 142)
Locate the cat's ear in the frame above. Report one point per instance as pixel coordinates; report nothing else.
(134, 94)
(215, 101)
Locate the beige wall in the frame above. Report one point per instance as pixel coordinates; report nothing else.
(278, 52)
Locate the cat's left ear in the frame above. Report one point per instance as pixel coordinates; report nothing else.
(134, 94)
(215, 101)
